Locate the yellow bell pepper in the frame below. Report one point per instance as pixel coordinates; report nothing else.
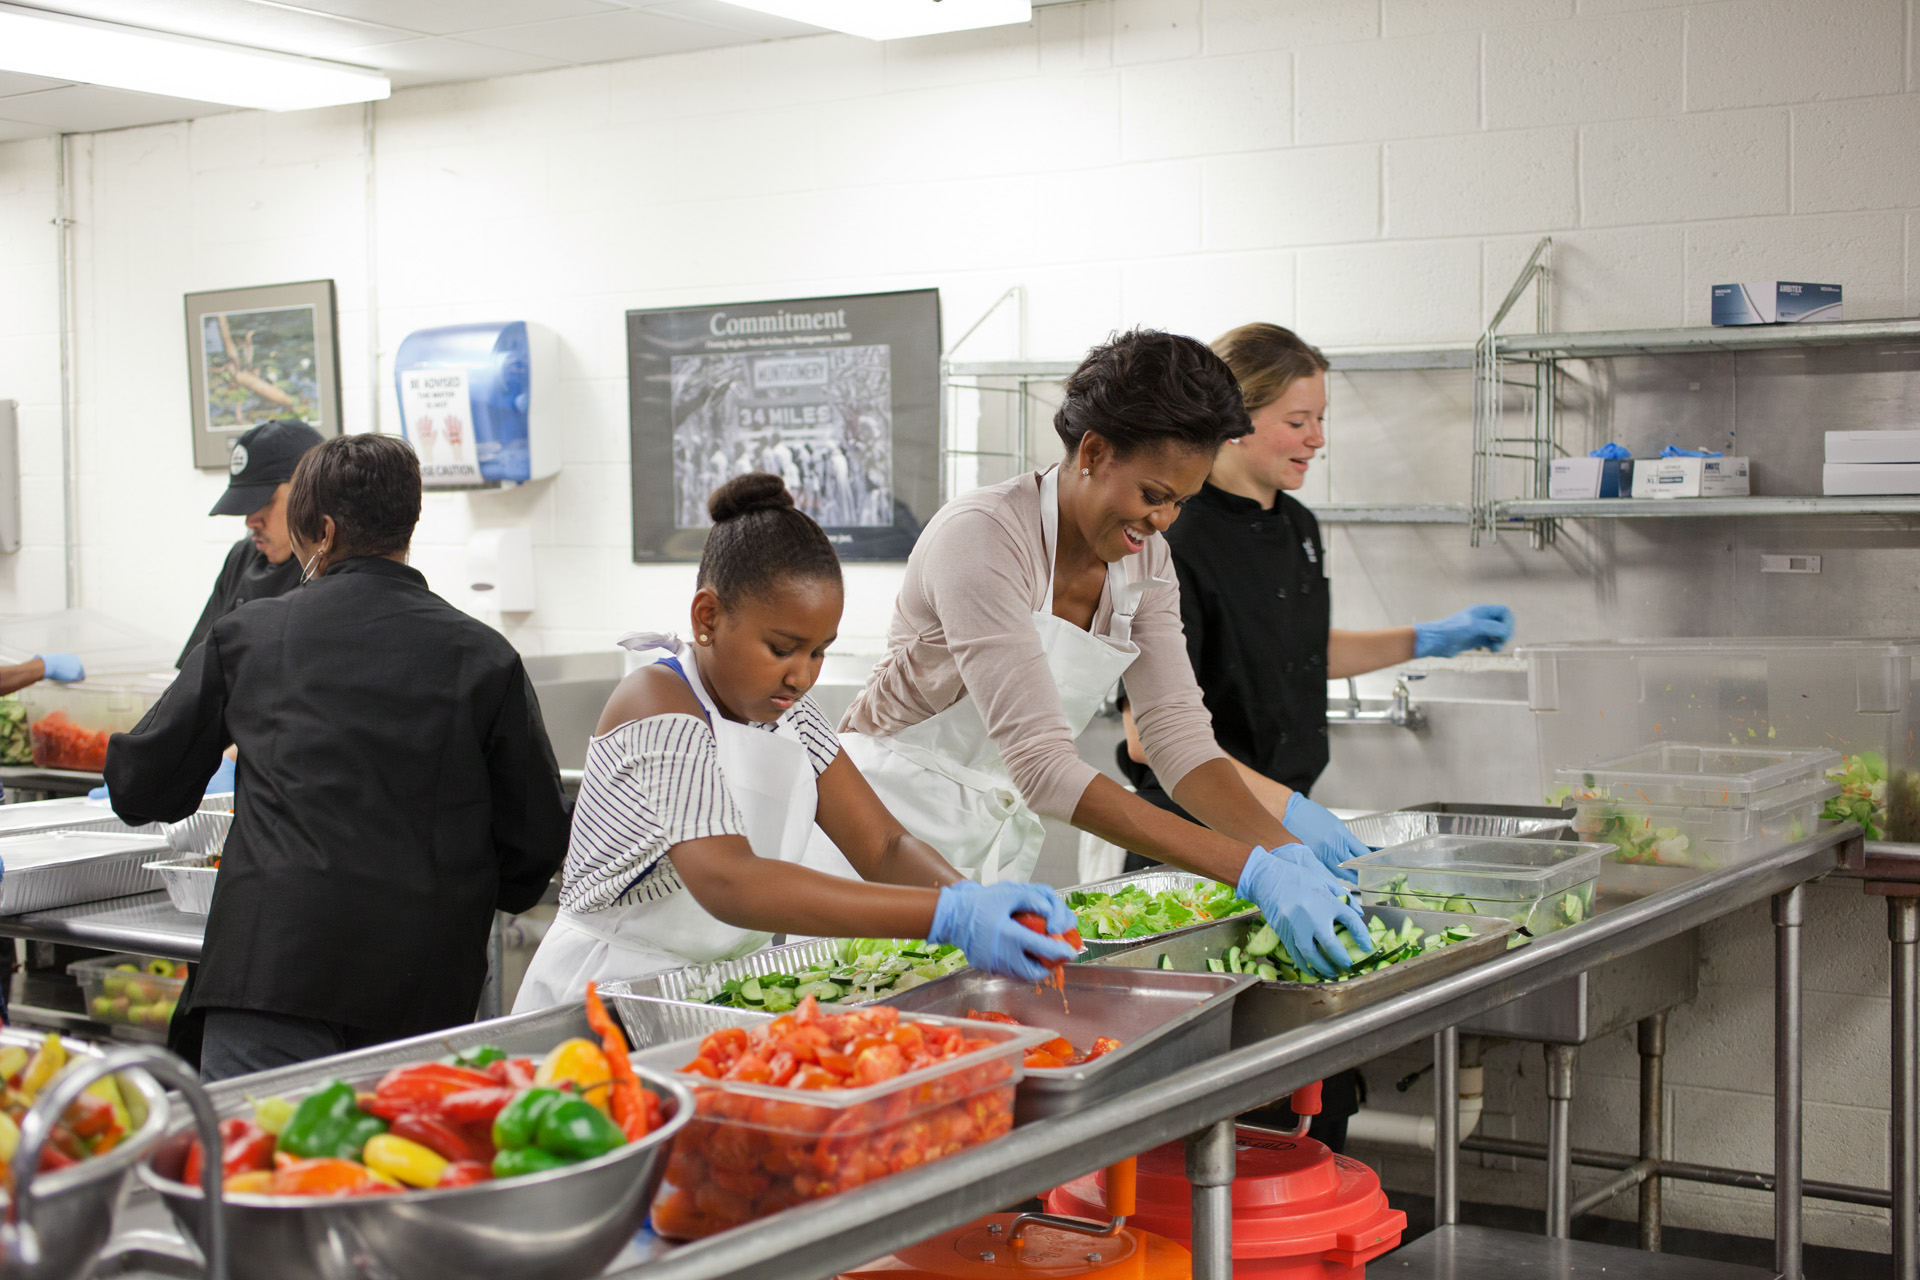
(257, 1182)
(272, 1114)
(107, 1088)
(581, 1061)
(403, 1161)
(9, 1137)
(12, 1059)
(44, 1066)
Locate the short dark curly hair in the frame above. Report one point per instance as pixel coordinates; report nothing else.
(1145, 389)
(369, 484)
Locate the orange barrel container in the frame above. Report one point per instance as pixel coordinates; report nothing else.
(1299, 1211)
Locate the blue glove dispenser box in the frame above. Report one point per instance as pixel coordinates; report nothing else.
(509, 369)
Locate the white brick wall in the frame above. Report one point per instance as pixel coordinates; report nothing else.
(1371, 171)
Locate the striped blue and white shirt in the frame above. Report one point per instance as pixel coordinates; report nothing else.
(651, 784)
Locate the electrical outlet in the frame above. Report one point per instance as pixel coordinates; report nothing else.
(1789, 564)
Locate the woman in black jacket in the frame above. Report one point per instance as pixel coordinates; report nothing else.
(395, 786)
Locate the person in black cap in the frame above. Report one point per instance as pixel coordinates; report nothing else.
(261, 565)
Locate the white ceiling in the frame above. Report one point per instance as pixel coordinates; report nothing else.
(413, 41)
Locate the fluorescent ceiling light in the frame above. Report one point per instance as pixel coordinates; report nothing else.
(892, 19)
(36, 42)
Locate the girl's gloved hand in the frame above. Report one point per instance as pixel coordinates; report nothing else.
(1324, 834)
(978, 918)
(1480, 626)
(1303, 904)
(222, 781)
(64, 668)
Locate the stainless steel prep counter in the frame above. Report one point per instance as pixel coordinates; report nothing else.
(143, 922)
(1200, 1103)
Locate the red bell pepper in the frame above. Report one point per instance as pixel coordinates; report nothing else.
(436, 1135)
(244, 1148)
(476, 1106)
(515, 1073)
(464, 1173)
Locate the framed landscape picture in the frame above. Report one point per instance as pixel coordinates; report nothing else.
(259, 354)
(839, 396)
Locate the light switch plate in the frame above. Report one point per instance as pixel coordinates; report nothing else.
(1789, 564)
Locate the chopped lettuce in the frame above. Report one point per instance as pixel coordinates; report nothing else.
(1132, 912)
(1863, 793)
(863, 969)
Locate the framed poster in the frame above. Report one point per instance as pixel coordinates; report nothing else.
(259, 354)
(839, 396)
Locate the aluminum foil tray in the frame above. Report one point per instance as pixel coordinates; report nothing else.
(651, 1021)
(189, 883)
(76, 813)
(203, 834)
(1152, 881)
(1272, 1008)
(1383, 830)
(679, 984)
(1164, 1021)
(61, 868)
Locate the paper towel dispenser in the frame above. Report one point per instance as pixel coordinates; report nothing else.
(476, 403)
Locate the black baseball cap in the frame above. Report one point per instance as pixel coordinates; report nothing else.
(262, 460)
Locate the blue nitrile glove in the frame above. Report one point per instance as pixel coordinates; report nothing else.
(222, 781)
(978, 919)
(98, 793)
(1610, 450)
(1675, 451)
(1480, 626)
(62, 667)
(1303, 904)
(1324, 835)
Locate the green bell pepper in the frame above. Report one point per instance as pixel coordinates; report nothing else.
(518, 1124)
(520, 1160)
(575, 1129)
(329, 1123)
(480, 1058)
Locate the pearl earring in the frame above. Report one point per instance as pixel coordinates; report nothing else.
(703, 638)
(1086, 471)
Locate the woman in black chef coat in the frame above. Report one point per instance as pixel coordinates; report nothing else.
(395, 786)
(1255, 604)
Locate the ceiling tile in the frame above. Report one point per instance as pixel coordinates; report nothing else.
(751, 22)
(452, 17)
(84, 108)
(284, 29)
(12, 82)
(439, 59)
(608, 37)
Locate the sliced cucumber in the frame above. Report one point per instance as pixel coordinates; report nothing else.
(1166, 961)
(1263, 942)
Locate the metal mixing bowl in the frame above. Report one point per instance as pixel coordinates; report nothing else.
(73, 1209)
(565, 1224)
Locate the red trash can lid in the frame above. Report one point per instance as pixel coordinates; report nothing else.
(1290, 1195)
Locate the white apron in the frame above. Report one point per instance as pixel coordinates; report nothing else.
(771, 781)
(944, 778)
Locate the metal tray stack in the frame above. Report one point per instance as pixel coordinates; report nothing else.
(1272, 1008)
(1165, 1022)
(1155, 881)
(75, 813)
(1384, 830)
(60, 868)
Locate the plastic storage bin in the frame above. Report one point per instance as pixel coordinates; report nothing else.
(755, 1149)
(1707, 836)
(70, 723)
(103, 644)
(1857, 697)
(1540, 885)
(130, 991)
(1679, 773)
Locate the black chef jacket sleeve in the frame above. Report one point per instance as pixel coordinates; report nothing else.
(159, 770)
(529, 809)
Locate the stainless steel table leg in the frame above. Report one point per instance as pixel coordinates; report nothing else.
(1789, 910)
(1559, 1140)
(1653, 1050)
(1446, 1128)
(1903, 929)
(1210, 1170)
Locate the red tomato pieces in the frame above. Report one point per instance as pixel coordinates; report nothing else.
(59, 743)
(747, 1155)
(1055, 1053)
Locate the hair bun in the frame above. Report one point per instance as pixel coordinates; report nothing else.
(743, 495)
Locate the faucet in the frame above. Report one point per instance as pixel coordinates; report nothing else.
(1401, 713)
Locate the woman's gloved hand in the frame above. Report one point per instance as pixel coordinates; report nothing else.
(1480, 626)
(222, 781)
(978, 919)
(63, 668)
(1324, 834)
(1303, 904)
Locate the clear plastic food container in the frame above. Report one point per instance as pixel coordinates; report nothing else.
(1857, 697)
(70, 723)
(1705, 836)
(104, 645)
(1679, 773)
(756, 1149)
(130, 991)
(1540, 885)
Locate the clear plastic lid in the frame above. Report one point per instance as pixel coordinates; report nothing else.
(1687, 773)
(104, 645)
(1487, 868)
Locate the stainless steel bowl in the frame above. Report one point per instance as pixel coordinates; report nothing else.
(565, 1224)
(73, 1209)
